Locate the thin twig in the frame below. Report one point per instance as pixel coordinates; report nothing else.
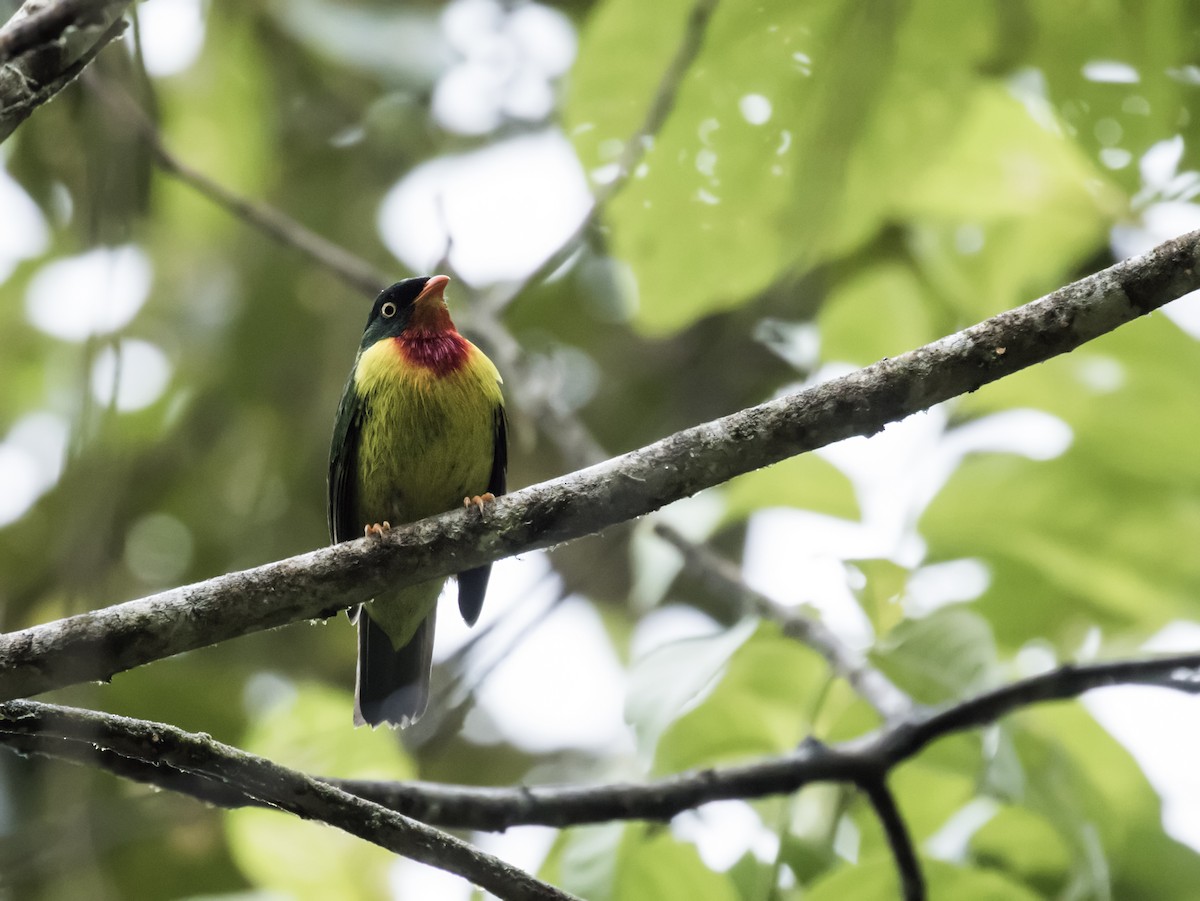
(351, 269)
(872, 685)
(275, 786)
(632, 153)
(101, 643)
(899, 839)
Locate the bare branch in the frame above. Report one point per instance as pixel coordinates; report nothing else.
(858, 761)
(872, 685)
(351, 269)
(272, 785)
(68, 734)
(99, 644)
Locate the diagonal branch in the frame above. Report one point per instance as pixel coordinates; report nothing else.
(872, 685)
(856, 761)
(99, 644)
(269, 784)
(354, 271)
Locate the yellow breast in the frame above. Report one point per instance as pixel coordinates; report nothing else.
(428, 438)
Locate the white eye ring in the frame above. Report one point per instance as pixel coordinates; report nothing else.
(388, 310)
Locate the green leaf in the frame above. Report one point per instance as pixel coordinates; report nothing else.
(882, 594)
(726, 201)
(1081, 780)
(671, 679)
(807, 482)
(1025, 845)
(1093, 535)
(949, 654)
(877, 880)
(761, 705)
(305, 860)
(617, 862)
(877, 311)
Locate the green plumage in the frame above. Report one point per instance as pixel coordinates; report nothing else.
(420, 427)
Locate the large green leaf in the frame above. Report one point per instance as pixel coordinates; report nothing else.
(1106, 812)
(763, 704)
(1008, 187)
(618, 862)
(783, 145)
(949, 654)
(1099, 534)
(673, 679)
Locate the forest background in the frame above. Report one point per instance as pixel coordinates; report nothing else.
(655, 215)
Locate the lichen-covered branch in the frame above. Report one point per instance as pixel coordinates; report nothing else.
(99, 644)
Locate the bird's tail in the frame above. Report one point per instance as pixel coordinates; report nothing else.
(392, 686)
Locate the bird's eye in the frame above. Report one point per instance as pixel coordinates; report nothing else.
(388, 310)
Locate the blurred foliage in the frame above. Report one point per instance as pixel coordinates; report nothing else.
(837, 181)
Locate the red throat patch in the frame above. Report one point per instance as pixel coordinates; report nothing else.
(440, 352)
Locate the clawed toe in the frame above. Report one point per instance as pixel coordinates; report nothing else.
(478, 500)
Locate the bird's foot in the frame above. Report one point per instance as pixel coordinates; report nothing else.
(376, 529)
(478, 500)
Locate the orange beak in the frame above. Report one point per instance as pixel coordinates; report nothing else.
(433, 289)
(429, 309)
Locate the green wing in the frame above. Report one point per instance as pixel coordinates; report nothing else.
(343, 461)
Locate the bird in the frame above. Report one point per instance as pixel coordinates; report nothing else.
(420, 430)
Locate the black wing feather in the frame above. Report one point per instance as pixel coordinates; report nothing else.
(343, 461)
(472, 585)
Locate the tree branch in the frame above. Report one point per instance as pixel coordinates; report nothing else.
(872, 685)
(44, 47)
(205, 760)
(354, 271)
(99, 644)
(911, 880)
(857, 761)
(38, 23)
(32, 727)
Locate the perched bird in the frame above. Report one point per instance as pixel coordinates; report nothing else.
(420, 430)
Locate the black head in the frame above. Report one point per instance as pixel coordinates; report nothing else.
(393, 309)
